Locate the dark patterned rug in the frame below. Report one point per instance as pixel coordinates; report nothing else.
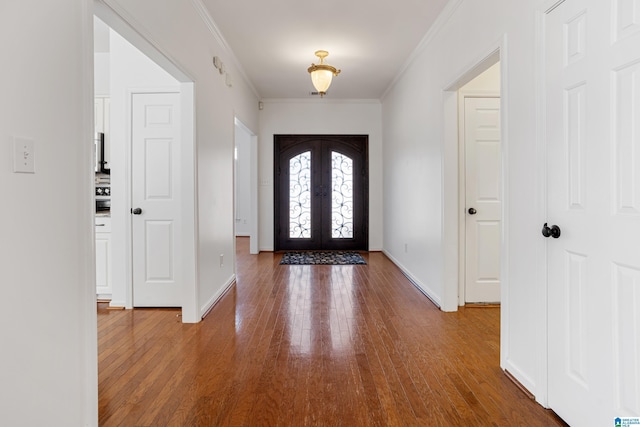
(315, 257)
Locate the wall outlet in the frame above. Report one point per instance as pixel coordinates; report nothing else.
(221, 260)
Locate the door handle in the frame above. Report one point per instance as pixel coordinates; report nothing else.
(472, 211)
(136, 211)
(553, 231)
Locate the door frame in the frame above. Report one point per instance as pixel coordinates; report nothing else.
(189, 233)
(337, 138)
(463, 95)
(542, 391)
(451, 215)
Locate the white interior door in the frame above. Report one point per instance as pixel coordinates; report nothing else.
(483, 199)
(156, 200)
(593, 193)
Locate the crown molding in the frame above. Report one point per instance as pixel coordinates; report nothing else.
(204, 14)
(319, 100)
(442, 19)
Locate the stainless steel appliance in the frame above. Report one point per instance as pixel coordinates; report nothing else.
(103, 197)
(100, 163)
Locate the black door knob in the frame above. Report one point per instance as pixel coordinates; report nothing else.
(472, 211)
(136, 211)
(553, 231)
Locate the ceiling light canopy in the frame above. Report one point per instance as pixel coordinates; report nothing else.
(322, 74)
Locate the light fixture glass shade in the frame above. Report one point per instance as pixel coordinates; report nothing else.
(321, 80)
(322, 74)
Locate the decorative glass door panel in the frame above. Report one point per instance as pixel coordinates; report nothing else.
(341, 196)
(321, 192)
(300, 196)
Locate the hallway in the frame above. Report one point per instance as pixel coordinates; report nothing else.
(309, 345)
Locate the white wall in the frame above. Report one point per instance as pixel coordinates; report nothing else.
(48, 361)
(48, 365)
(320, 116)
(243, 181)
(101, 33)
(487, 82)
(419, 206)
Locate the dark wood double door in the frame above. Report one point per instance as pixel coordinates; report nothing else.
(321, 192)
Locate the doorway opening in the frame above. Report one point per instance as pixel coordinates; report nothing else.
(321, 192)
(179, 151)
(456, 210)
(480, 195)
(246, 184)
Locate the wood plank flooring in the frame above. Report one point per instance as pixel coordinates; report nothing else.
(309, 346)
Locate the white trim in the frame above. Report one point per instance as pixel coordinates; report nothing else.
(478, 65)
(189, 215)
(525, 380)
(319, 100)
(118, 304)
(434, 29)
(504, 255)
(254, 242)
(462, 191)
(89, 332)
(541, 390)
(426, 290)
(217, 296)
(551, 5)
(449, 201)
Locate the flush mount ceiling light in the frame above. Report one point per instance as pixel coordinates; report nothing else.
(322, 73)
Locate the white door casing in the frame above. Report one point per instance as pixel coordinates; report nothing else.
(592, 120)
(483, 205)
(156, 192)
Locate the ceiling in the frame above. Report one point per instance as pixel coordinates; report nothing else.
(369, 40)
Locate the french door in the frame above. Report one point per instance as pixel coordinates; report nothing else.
(321, 192)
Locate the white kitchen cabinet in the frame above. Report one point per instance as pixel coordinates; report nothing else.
(103, 257)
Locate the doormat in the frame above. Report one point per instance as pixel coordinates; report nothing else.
(326, 258)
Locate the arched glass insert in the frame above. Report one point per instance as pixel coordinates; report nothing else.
(341, 196)
(300, 196)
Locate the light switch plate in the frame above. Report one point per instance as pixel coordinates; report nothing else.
(23, 155)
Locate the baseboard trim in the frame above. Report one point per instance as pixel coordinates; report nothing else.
(213, 301)
(519, 385)
(425, 290)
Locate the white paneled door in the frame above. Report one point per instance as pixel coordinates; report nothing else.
(592, 55)
(483, 199)
(155, 200)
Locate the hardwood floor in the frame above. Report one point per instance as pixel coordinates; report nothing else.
(309, 346)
